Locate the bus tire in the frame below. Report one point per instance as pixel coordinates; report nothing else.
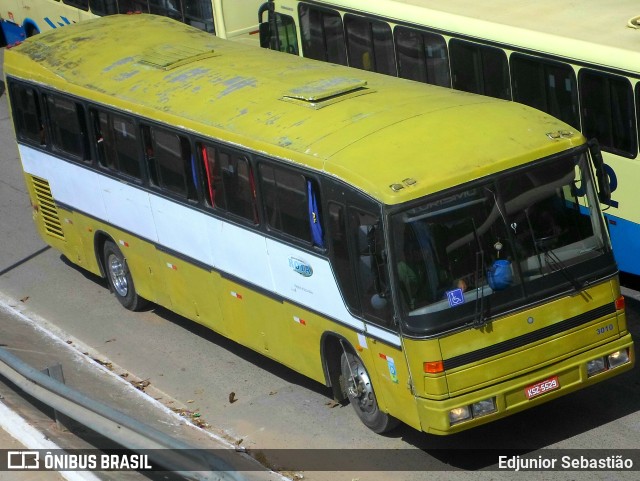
(120, 279)
(359, 389)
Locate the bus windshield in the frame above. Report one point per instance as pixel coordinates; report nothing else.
(480, 251)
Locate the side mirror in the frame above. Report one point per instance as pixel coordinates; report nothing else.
(604, 187)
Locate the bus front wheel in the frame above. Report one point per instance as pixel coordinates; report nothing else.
(120, 279)
(359, 388)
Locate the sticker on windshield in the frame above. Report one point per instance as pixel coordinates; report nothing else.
(455, 297)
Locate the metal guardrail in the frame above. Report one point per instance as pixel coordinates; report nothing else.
(165, 451)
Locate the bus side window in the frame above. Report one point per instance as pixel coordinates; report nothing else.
(104, 7)
(170, 162)
(370, 45)
(126, 145)
(479, 69)
(103, 140)
(546, 85)
(239, 188)
(607, 111)
(322, 34)
(339, 247)
(149, 156)
(81, 4)
(371, 268)
(27, 114)
(285, 201)
(116, 143)
(68, 127)
(422, 56)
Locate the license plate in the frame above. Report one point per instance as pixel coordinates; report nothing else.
(542, 387)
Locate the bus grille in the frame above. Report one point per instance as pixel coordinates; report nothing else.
(47, 207)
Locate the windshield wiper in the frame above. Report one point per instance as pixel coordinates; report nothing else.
(556, 265)
(479, 319)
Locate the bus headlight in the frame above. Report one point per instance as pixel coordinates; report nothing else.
(475, 410)
(481, 408)
(611, 361)
(595, 366)
(618, 358)
(459, 414)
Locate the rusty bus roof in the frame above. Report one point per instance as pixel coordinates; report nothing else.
(369, 130)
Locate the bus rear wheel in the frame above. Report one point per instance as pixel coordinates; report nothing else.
(120, 279)
(359, 388)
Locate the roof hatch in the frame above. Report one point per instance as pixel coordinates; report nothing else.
(321, 93)
(169, 56)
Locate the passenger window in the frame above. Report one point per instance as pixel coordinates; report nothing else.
(228, 182)
(285, 200)
(370, 45)
(81, 4)
(479, 69)
(422, 56)
(104, 7)
(337, 225)
(116, 143)
(67, 127)
(371, 270)
(166, 8)
(28, 117)
(607, 111)
(547, 86)
(131, 6)
(322, 34)
(170, 162)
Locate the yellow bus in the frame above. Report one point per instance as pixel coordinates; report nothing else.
(435, 257)
(232, 19)
(578, 64)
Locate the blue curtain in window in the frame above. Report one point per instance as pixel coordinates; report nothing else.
(314, 216)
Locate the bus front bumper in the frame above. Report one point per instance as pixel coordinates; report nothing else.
(523, 392)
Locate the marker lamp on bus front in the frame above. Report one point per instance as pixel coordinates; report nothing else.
(459, 414)
(596, 365)
(618, 358)
(487, 406)
(475, 410)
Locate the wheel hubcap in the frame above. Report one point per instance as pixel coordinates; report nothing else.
(359, 389)
(118, 275)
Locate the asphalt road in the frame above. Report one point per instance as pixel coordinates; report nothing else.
(277, 408)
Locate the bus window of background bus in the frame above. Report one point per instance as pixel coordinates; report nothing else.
(322, 34)
(117, 143)
(285, 200)
(170, 162)
(29, 122)
(608, 112)
(547, 86)
(284, 39)
(103, 7)
(167, 8)
(479, 69)
(370, 45)
(68, 127)
(422, 56)
(81, 4)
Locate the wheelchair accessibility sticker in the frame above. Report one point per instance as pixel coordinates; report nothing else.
(455, 297)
